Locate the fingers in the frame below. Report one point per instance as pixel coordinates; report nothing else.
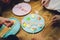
(45, 2)
(8, 23)
(55, 17)
(56, 20)
(53, 20)
(42, 1)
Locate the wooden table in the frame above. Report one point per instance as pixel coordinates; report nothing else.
(44, 34)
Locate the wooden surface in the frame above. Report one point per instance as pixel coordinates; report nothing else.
(45, 33)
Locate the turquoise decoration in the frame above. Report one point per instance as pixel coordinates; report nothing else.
(14, 28)
(35, 24)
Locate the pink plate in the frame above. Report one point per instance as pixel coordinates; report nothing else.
(21, 9)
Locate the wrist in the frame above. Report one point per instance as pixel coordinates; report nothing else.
(2, 18)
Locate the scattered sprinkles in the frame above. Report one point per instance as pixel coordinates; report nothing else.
(28, 19)
(25, 24)
(33, 16)
(31, 23)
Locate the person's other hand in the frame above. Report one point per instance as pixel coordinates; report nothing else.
(56, 20)
(45, 2)
(7, 22)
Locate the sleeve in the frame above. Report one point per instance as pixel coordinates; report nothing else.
(54, 5)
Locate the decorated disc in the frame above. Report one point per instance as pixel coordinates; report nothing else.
(33, 23)
(14, 28)
(21, 9)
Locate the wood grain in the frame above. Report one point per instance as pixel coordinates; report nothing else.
(44, 34)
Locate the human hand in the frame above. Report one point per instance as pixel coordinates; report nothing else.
(45, 2)
(56, 20)
(7, 22)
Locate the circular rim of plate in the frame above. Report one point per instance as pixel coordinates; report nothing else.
(13, 28)
(31, 31)
(14, 12)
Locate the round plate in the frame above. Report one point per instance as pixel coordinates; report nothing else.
(33, 23)
(14, 28)
(21, 9)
